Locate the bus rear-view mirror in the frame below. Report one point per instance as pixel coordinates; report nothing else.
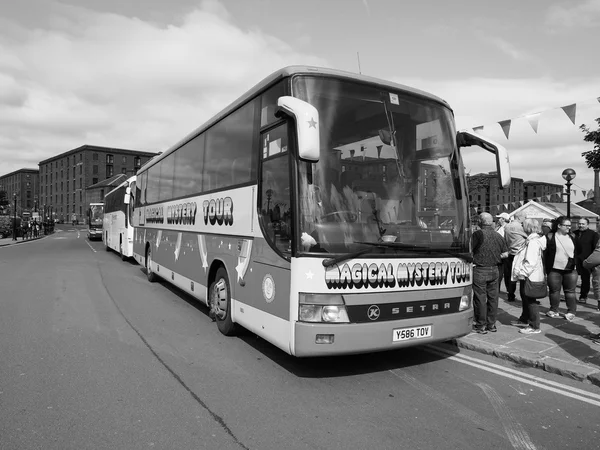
(306, 118)
(466, 138)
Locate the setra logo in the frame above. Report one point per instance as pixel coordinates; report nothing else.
(373, 312)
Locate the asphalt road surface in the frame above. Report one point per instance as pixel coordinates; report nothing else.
(93, 356)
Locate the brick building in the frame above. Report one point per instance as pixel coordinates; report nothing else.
(543, 192)
(24, 183)
(63, 179)
(485, 194)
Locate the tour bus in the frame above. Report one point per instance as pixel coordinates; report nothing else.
(95, 213)
(325, 211)
(117, 228)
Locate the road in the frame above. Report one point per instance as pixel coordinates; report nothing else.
(93, 356)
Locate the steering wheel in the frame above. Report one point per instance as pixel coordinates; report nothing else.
(348, 216)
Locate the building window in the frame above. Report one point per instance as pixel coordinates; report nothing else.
(124, 159)
(80, 169)
(95, 170)
(81, 157)
(124, 170)
(80, 182)
(110, 159)
(101, 193)
(109, 170)
(137, 162)
(94, 180)
(74, 168)
(95, 157)
(68, 186)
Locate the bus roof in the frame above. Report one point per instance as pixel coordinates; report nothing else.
(277, 76)
(125, 183)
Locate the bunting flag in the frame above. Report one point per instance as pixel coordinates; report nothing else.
(505, 124)
(570, 111)
(533, 120)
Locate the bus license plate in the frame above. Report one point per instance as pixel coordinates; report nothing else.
(406, 334)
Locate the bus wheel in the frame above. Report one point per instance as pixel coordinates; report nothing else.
(220, 303)
(149, 274)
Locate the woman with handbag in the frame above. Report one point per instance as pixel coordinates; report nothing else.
(528, 269)
(560, 267)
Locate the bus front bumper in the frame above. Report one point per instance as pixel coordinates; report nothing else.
(377, 336)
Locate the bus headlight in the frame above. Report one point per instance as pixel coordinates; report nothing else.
(322, 308)
(466, 299)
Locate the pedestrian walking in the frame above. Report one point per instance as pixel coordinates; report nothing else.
(585, 243)
(488, 250)
(560, 267)
(515, 239)
(529, 266)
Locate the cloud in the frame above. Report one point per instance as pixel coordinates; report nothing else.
(88, 77)
(509, 49)
(367, 7)
(573, 15)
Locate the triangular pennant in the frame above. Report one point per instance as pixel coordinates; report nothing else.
(478, 129)
(505, 124)
(533, 120)
(583, 193)
(598, 99)
(521, 203)
(574, 191)
(570, 111)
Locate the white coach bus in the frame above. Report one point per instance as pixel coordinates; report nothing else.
(325, 211)
(117, 227)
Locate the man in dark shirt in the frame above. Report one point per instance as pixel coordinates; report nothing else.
(488, 250)
(585, 243)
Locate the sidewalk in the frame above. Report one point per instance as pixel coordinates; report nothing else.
(9, 240)
(562, 347)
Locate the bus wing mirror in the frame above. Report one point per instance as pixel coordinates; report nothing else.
(465, 138)
(306, 118)
(127, 198)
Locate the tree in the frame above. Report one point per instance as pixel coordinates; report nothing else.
(592, 157)
(4, 202)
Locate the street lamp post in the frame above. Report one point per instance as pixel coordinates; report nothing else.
(569, 174)
(15, 217)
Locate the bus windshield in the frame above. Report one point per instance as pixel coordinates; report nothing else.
(389, 173)
(96, 215)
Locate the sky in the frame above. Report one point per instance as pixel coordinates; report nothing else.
(142, 74)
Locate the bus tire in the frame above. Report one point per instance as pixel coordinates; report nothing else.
(220, 303)
(149, 274)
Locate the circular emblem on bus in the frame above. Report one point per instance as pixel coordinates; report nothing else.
(373, 312)
(268, 288)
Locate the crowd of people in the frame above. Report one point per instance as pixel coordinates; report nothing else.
(33, 229)
(542, 259)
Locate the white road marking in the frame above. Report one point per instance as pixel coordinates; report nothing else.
(90, 246)
(553, 386)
